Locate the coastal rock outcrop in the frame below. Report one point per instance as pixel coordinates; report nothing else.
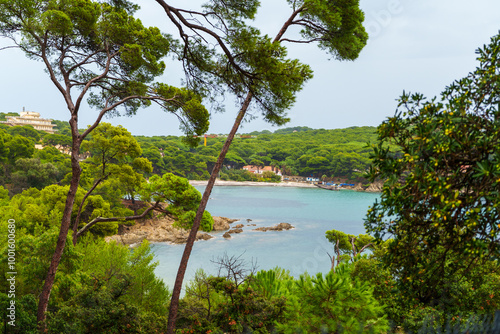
(222, 223)
(161, 230)
(359, 187)
(278, 227)
(235, 230)
(375, 187)
(227, 235)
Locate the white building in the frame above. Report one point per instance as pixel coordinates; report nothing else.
(31, 118)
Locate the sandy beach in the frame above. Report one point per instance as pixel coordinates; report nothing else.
(250, 183)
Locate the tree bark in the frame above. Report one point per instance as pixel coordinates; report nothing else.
(174, 303)
(63, 232)
(337, 250)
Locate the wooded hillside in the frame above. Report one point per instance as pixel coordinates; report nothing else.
(296, 151)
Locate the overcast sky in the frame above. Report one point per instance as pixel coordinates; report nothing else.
(418, 46)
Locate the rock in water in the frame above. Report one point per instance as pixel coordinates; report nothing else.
(279, 227)
(222, 223)
(236, 230)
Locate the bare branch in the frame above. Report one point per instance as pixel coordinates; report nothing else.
(365, 247)
(288, 23)
(84, 61)
(169, 10)
(354, 253)
(95, 79)
(310, 24)
(10, 47)
(116, 104)
(332, 260)
(43, 45)
(301, 41)
(234, 268)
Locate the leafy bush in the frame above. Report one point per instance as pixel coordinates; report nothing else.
(25, 314)
(186, 219)
(238, 175)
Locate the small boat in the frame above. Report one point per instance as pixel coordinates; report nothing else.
(322, 186)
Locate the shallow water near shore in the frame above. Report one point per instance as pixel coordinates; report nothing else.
(311, 211)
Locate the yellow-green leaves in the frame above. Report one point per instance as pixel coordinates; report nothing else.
(445, 201)
(115, 163)
(132, 55)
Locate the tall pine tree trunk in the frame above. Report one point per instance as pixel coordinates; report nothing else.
(63, 232)
(174, 303)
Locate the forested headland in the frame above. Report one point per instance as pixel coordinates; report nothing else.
(299, 151)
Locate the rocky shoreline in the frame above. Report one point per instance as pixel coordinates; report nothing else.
(162, 229)
(375, 187)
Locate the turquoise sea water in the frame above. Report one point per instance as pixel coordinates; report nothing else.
(312, 211)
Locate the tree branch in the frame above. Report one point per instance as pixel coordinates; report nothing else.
(301, 41)
(95, 79)
(77, 219)
(288, 23)
(43, 55)
(116, 104)
(9, 47)
(113, 219)
(171, 10)
(84, 61)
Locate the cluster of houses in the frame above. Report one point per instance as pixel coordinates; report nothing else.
(261, 170)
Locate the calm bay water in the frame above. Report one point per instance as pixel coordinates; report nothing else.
(311, 211)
